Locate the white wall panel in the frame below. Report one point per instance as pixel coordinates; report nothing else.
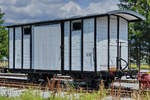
(26, 52)
(47, 41)
(11, 47)
(18, 36)
(76, 50)
(88, 30)
(124, 38)
(113, 41)
(67, 43)
(102, 42)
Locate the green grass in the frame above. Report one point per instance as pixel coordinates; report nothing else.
(142, 66)
(2, 64)
(72, 94)
(35, 95)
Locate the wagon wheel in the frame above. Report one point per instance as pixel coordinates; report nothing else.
(33, 77)
(92, 81)
(29, 78)
(75, 80)
(36, 78)
(96, 83)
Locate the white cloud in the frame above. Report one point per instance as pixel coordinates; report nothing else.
(22, 3)
(71, 9)
(20, 11)
(102, 7)
(52, 1)
(7, 2)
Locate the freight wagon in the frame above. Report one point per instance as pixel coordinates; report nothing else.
(91, 48)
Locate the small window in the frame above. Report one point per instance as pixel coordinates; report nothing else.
(27, 31)
(76, 26)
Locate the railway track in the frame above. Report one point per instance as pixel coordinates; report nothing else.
(13, 74)
(19, 85)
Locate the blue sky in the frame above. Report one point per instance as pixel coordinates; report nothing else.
(23, 11)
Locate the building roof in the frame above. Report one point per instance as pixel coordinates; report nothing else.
(126, 14)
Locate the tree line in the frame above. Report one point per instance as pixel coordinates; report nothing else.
(139, 32)
(3, 39)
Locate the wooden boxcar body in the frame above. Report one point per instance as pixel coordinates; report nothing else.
(87, 47)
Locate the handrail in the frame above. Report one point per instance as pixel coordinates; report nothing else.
(125, 62)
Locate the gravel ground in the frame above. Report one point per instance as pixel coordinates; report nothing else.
(116, 98)
(127, 85)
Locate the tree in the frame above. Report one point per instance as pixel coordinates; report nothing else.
(3, 39)
(139, 32)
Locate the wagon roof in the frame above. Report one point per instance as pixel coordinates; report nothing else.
(130, 16)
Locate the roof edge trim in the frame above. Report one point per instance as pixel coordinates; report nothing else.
(128, 12)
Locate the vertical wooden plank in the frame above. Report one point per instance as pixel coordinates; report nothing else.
(108, 51)
(82, 60)
(14, 48)
(62, 47)
(95, 46)
(70, 51)
(31, 48)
